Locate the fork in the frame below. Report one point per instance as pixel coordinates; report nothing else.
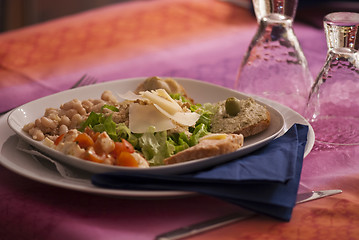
(84, 81)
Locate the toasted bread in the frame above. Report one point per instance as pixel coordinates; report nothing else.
(252, 118)
(208, 147)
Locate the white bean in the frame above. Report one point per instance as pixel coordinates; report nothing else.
(98, 107)
(67, 105)
(50, 111)
(65, 120)
(63, 129)
(109, 97)
(37, 134)
(78, 107)
(97, 101)
(87, 104)
(28, 126)
(71, 112)
(38, 123)
(76, 120)
(48, 123)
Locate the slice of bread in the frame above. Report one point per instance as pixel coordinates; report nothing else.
(208, 147)
(251, 119)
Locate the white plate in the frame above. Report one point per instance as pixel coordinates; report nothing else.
(201, 92)
(44, 172)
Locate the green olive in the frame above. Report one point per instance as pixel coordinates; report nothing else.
(232, 106)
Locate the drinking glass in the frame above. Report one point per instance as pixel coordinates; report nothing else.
(333, 104)
(274, 66)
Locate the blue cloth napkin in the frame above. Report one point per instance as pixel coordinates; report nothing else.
(265, 181)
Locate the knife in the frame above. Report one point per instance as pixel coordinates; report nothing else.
(224, 220)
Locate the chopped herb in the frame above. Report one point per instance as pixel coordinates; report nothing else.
(178, 96)
(112, 108)
(92, 120)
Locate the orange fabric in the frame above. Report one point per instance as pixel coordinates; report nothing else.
(116, 33)
(335, 217)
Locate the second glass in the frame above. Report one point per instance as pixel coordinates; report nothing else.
(333, 105)
(274, 66)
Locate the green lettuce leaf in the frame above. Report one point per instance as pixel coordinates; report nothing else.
(112, 108)
(155, 147)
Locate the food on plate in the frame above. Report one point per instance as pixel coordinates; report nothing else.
(156, 124)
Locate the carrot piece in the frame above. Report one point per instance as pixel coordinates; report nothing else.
(92, 133)
(59, 139)
(84, 140)
(126, 159)
(95, 136)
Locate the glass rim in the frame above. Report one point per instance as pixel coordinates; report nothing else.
(342, 18)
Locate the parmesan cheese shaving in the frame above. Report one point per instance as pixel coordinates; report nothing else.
(141, 117)
(169, 106)
(183, 118)
(159, 114)
(164, 94)
(129, 96)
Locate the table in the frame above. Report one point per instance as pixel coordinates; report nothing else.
(198, 39)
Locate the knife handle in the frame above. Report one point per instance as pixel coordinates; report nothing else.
(204, 226)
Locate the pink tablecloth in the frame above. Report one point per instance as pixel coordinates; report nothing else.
(204, 40)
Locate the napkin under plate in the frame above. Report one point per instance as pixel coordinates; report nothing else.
(265, 181)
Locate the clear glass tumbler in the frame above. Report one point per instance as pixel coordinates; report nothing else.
(274, 66)
(333, 104)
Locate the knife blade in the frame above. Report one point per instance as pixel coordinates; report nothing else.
(313, 195)
(231, 218)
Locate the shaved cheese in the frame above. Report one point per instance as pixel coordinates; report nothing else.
(159, 114)
(164, 94)
(141, 117)
(168, 106)
(183, 118)
(129, 96)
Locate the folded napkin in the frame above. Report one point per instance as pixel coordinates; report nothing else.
(265, 181)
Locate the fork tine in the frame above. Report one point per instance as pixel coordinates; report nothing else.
(90, 80)
(84, 81)
(78, 82)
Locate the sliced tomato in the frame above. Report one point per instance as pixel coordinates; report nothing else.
(128, 146)
(92, 133)
(123, 146)
(126, 159)
(84, 140)
(59, 139)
